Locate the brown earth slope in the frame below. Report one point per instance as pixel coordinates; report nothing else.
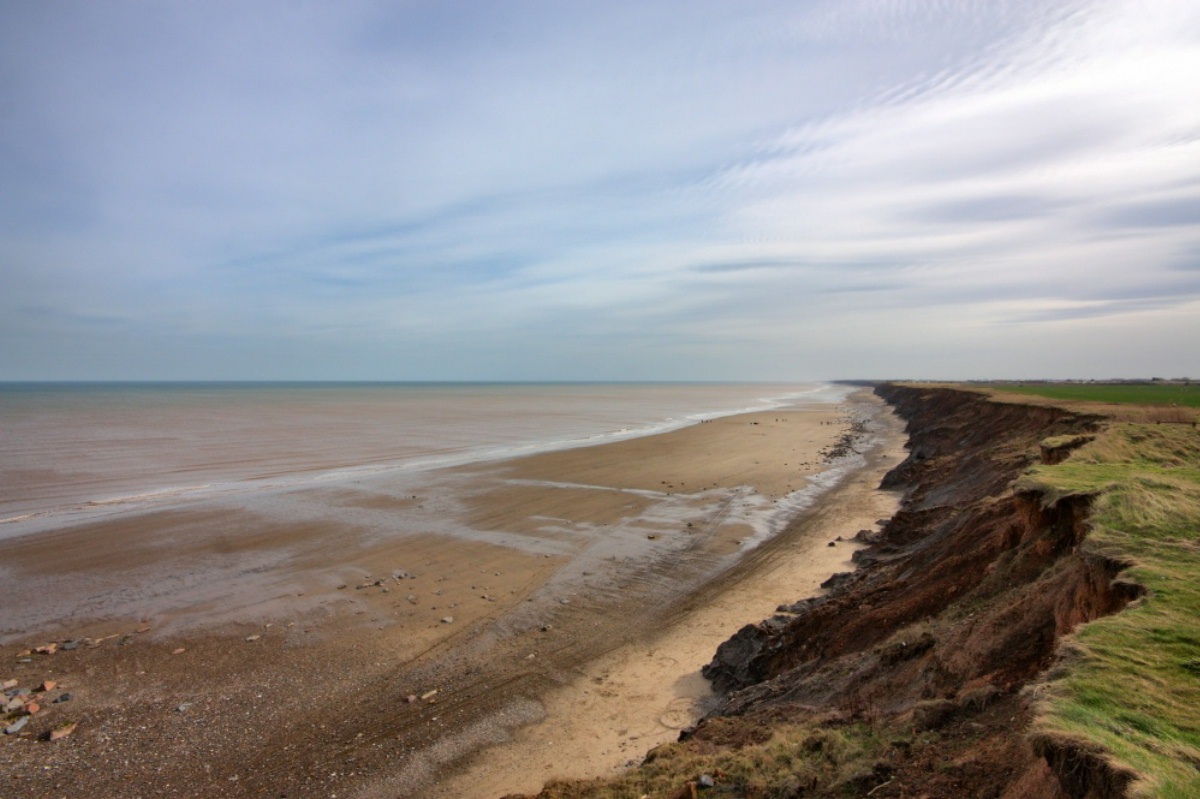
(916, 660)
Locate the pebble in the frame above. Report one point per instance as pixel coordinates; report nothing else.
(70, 645)
(706, 781)
(253, 637)
(16, 726)
(178, 651)
(63, 732)
(47, 685)
(183, 708)
(63, 698)
(447, 620)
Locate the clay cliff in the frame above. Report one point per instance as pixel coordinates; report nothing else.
(958, 604)
(916, 674)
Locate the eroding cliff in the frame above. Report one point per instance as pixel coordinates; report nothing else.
(910, 677)
(959, 602)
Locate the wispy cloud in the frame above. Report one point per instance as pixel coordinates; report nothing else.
(636, 190)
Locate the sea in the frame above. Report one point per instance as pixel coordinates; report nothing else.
(71, 452)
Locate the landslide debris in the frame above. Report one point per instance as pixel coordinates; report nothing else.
(909, 678)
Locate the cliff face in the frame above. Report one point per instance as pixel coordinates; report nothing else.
(958, 603)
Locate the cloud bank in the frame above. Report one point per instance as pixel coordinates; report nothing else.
(536, 190)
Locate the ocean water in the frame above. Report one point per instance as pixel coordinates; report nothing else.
(69, 452)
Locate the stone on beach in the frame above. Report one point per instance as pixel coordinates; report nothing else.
(16, 726)
(63, 732)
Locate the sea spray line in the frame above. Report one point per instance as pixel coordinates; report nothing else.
(52, 517)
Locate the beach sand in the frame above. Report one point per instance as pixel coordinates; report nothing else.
(500, 624)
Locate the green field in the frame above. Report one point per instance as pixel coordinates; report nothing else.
(1125, 393)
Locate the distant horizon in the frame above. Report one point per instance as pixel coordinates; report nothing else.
(384, 382)
(431, 382)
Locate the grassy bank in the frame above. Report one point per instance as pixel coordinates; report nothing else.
(1130, 684)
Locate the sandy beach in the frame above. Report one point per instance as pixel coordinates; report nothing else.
(500, 624)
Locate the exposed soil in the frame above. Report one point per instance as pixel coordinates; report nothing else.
(957, 605)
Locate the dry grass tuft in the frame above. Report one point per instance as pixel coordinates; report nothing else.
(795, 759)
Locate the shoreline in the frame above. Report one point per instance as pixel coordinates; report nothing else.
(617, 707)
(552, 587)
(147, 497)
(987, 639)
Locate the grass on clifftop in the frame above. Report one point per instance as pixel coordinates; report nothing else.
(1131, 682)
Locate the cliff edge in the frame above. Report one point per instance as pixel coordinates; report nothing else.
(917, 674)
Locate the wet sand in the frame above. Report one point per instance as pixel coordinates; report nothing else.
(619, 706)
(564, 597)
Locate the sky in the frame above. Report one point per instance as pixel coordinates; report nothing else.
(568, 190)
